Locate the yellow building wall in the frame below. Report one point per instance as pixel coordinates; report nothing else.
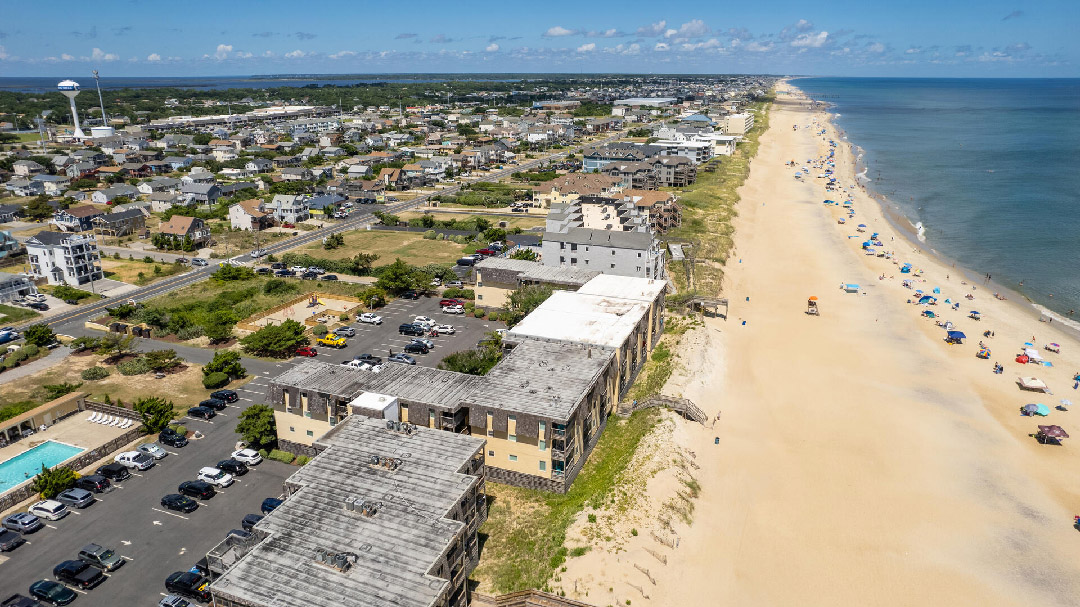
(295, 428)
(527, 451)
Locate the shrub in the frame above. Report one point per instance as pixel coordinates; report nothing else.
(39, 335)
(52, 481)
(181, 430)
(31, 350)
(215, 380)
(136, 366)
(264, 453)
(187, 333)
(302, 459)
(277, 286)
(148, 259)
(429, 235)
(94, 373)
(19, 355)
(281, 456)
(461, 293)
(478, 313)
(156, 413)
(319, 330)
(227, 362)
(66, 292)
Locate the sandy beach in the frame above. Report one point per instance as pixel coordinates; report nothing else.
(861, 459)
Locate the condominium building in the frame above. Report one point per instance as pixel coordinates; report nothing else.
(64, 258)
(738, 124)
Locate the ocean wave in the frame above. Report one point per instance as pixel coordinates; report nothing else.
(920, 231)
(1068, 322)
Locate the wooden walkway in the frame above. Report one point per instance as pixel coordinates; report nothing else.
(683, 406)
(525, 598)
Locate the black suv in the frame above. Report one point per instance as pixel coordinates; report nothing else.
(277, 265)
(191, 585)
(95, 483)
(172, 438)
(284, 272)
(18, 600)
(233, 467)
(229, 396)
(114, 472)
(410, 294)
(200, 411)
(180, 503)
(309, 275)
(214, 403)
(411, 329)
(270, 504)
(250, 520)
(200, 489)
(416, 348)
(369, 359)
(78, 574)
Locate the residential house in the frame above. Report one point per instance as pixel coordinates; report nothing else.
(660, 207)
(566, 188)
(259, 165)
(15, 286)
(674, 171)
(137, 169)
(27, 168)
(179, 227)
(160, 184)
(635, 175)
(163, 201)
(231, 189)
(10, 212)
(9, 245)
(178, 162)
(70, 259)
(249, 215)
(287, 208)
(200, 176)
(120, 223)
(391, 178)
(296, 174)
(54, 184)
(77, 219)
(202, 193)
(81, 170)
(24, 187)
(636, 253)
(112, 192)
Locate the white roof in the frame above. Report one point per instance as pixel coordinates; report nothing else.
(582, 318)
(373, 401)
(624, 287)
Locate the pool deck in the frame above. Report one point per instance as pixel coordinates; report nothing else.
(74, 430)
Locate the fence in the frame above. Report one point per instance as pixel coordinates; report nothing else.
(683, 406)
(248, 324)
(525, 598)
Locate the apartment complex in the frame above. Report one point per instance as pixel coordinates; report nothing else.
(738, 124)
(497, 277)
(385, 515)
(64, 258)
(637, 254)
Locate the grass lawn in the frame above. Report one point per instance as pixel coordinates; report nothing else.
(409, 246)
(523, 221)
(209, 289)
(525, 531)
(242, 241)
(127, 270)
(708, 208)
(15, 314)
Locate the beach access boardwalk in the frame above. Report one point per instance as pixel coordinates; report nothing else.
(683, 406)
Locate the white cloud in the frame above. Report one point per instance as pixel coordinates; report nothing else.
(711, 43)
(876, 47)
(558, 30)
(633, 49)
(695, 28)
(608, 33)
(913, 50)
(100, 55)
(223, 51)
(661, 47)
(66, 57)
(297, 54)
(758, 47)
(803, 25)
(811, 40)
(3, 53)
(342, 54)
(153, 57)
(586, 48)
(243, 54)
(653, 29)
(491, 48)
(268, 54)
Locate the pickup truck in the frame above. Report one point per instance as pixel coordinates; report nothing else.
(331, 341)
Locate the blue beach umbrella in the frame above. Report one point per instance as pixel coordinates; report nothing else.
(862, 225)
(957, 335)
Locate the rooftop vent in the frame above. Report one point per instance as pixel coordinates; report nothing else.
(402, 427)
(361, 506)
(341, 561)
(386, 463)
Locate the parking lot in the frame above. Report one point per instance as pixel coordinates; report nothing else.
(130, 519)
(380, 340)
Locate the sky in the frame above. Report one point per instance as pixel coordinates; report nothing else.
(942, 38)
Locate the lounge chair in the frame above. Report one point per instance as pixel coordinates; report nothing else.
(100, 419)
(127, 424)
(92, 417)
(109, 421)
(116, 421)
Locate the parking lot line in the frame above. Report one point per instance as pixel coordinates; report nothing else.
(75, 512)
(49, 526)
(171, 452)
(136, 474)
(169, 513)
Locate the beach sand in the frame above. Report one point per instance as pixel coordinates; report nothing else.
(861, 459)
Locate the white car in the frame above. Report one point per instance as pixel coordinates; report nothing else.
(153, 450)
(298, 269)
(436, 282)
(454, 309)
(370, 318)
(423, 320)
(257, 253)
(51, 510)
(214, 476)
(445, 329)
(316, 270)
(250, 457)
(135, 460)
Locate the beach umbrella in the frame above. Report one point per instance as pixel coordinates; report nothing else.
(1029, 344)
(957, 335)
(813, 298)
(1066, 402)
(973, 312)
(1053, 431)
(1055, 345)
(862, 225)
(937, 290)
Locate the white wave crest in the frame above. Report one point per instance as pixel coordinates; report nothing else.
(1057, 317)
(920, 231)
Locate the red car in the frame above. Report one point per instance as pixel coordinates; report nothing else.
(450, 302)
(287, 225)
(306, 351)
(485, 251)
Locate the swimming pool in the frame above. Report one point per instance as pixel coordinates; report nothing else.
(16, 470)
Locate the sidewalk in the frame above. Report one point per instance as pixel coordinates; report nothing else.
(54, 357)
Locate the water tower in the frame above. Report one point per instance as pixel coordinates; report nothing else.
(70, 89)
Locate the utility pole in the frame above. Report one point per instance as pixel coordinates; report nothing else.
(101, 102)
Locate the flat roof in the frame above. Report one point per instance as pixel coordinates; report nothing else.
(408, 382)
(396, 547)
(542, 379)
(582, 318)
(625, 287)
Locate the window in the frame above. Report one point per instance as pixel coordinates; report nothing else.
(491, 454)
(431, 418)
(292, 429)
(562, 259)
(573, 247)
(543, 466)
(479, 295)
(513, 458)
(573, 261)
(639, 254)
(612, 266)
(310, 433)
(562, 245)
(307, 413)
(512, 438)
(613, 252)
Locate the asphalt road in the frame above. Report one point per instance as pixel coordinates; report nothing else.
(130, 519)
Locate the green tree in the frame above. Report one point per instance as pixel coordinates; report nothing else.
(85, 342)
(386, 218)
(279, 341)
(156, 413)
(115, 345)
(51, 481)
(396, 277)
(257, 427)
(526, 254)
(229, 272)
(55, 391)
(218, 330)
(227, 362)
(494, 234)
(333, 241)
(373, 297)
(363, 263)
(162, 360)
(473, 362)
(525, 300)
(39, 335)
(38, 209)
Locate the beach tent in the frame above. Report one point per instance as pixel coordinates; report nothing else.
(1035, 409)
(1032, 383)
(1053, 434)
(851, 288)
(1032, 354)
(955, 337)
(927, 299)
(862, 225)
(937, 290)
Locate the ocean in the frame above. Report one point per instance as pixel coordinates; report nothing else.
(986, 170)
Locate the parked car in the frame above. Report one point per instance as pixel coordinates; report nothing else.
(445, 329)
(199, 261)
(455, 284)
(270, 504)
(316, 269)
(423, 320)
(330, 277)
(250, 520)
(52, 592)
(309, 275)
(114, 472)
(403, 359)
(233, 466)
(50, 510)
(436, 282)
(263, 271)
(369, 318)
(135, 460)
(453, 309)
(179, 503)
(34, 305)
(277, 265)
(411, 329)
(75, 498)
(485, 251)
(214, 403)
(298, 269)
(101, 557)
(200, 489)
(466, 261)
(188, 584)
(332, 341)
(78, 574)
(257, 253)
(94, 483)
(410, 294)
(451, 301)
(172, 438)
(415, 348)
(284, 273)
(250, 457)
(229, 396)
(171, 600)
(423, 340)
(306, 351)
(10, 540)
(214, 476)
(369, 359)
(154, 450)
(203, 412)
(345, 331)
